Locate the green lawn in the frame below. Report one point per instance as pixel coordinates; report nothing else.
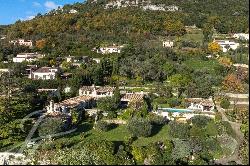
(117, 134)
(13, 146)
(195, 36)
(200, 64)
(164, 105)
(120, 133)
(159, 136)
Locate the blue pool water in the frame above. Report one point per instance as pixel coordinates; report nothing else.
(175, 110)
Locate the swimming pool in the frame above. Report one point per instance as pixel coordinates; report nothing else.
(175, 110)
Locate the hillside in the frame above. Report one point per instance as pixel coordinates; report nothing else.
(92, 25)
(117, 76)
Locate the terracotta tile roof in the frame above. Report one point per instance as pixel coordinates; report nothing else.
(132, 96)
(44, 70)
(72, 102)
(66, 74)
(98, 89)
(57, 114)
(207, 103)
(204, 102)
(87, 88)
(241, 65)
(105, 89)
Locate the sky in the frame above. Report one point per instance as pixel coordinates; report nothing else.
(13, 10)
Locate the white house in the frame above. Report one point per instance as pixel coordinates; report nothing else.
(128, 97)
(168, 43)
(79, 59)
(22, 42)
(96, 91)
(67, 89)
(98, 60)
(121, 3)
(70, 58)
(154, 7)
(144, 4)
(29, 57)
(200, 104)
(181, 115)
(109, 49)
(241, 36)
(72, 11)
(6, 70)
(226, 45)
(3, 37)
(240, 65)
(44, 73)
(172, 8)
(64, 106)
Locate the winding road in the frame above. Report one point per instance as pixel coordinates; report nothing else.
(239, 139)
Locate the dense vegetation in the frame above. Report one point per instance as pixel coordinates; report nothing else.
(169, 74)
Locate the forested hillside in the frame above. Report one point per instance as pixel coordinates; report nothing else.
(92, 25)
(167, 54)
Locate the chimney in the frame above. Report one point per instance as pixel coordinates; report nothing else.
(51, 106)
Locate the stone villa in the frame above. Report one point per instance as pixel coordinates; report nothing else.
(200, 104)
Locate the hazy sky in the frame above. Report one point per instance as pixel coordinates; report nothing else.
(12, 10)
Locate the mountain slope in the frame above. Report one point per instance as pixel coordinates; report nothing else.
(92, 25)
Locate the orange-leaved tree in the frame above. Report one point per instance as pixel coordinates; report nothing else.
(225, 61)
(232, 83)
(41, 43)
(214, 47)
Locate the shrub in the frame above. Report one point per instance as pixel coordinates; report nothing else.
(173, 102)
(154, 155)
(211, 129)
(138, 105)
(181, 149)
(89, 152)
(179, 130)
(108, 105)
(214, 147)
(218, 117)
(139, 127)
(138, 153)
(227, 128)
(189, 44)
(141, 113)
(47, 145)
(232, 163)
(161, 100)
(196, 132)
(102, 126)
(156, 119)
(200, 121)
(225, 103)
(128, 140)
(65, 142)
(52, 126)
(76, 115)
(127, 114)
